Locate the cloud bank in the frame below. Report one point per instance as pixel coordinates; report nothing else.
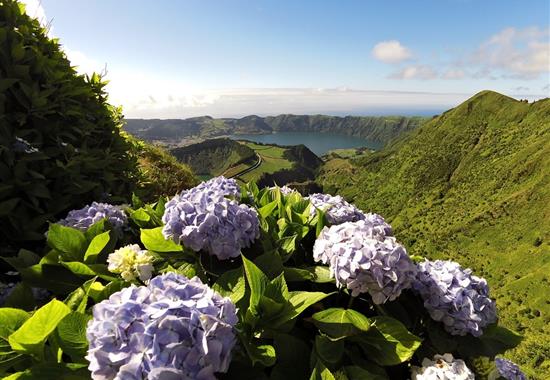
(391, 52)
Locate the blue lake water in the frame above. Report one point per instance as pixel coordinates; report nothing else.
(318, 143)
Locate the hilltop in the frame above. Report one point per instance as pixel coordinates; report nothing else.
(247, 161)
(378, 129)
(472, 184)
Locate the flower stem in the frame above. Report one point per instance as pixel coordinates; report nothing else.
(350, 302)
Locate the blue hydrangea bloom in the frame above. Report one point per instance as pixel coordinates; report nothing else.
(336, 208)
(364, 260)
(509, 370)
(173, 328)
(455, 297)
(228, 187)
(206, 220)
(83, 218)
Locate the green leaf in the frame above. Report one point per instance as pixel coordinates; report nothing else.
(298, 301)
(340, 323)
(266, 210)
(6, 207)
(153, 240)
(78, 299)
(30, 337)
(231, 284)
(95, 229)
(96, 246)
(321, 274)
(292, 358)
(259, 353)
(21, 297)
(388, 342)
(186, 269)
(10, 320)
(69, 241)
(71, 334)
(297, 274)
(495, 340)
(52, 371)
(329, 351)
(320, 372)
(287, 246)
(257, 281)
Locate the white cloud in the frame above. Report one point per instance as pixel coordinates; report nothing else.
(453, 74)
(518, 53)
(34, 9)
(273, 101)
(422, 72)
(391, 52)
(84, 64)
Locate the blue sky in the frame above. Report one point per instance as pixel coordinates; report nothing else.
(231, 58)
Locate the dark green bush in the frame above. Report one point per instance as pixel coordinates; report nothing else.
(75, 152)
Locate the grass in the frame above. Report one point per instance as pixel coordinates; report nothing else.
(272, 161)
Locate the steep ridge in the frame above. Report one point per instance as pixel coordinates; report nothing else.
(472, 184)
(379, 129)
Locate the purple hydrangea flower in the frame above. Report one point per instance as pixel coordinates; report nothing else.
(442, 367)
(228, 187)
(337, 209)
(365, 260)
(509, 370)
(173, 328)
(455, 297)
(83, 218)
(205, 220)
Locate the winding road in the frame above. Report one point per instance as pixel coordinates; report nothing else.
(249, 169)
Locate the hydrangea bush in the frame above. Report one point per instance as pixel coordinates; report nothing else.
(222, 281)
(454, 296)
(364, 260)
(174, 327)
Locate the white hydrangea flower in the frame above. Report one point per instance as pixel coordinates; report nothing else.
(131, 262)
(442, 367)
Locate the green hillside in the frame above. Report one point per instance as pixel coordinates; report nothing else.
(472, 184)
(214, 157)
(379, 129)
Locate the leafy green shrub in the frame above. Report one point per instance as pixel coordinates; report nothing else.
(60, 141)
(161, 174)
(294, 322)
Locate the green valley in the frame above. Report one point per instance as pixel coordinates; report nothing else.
(472, 184)
(248, 161)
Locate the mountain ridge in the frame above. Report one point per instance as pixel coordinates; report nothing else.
(377, 128)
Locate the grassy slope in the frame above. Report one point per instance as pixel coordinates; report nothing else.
(161, 173)
(214, 157)
(474, 185)
(272, 161)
